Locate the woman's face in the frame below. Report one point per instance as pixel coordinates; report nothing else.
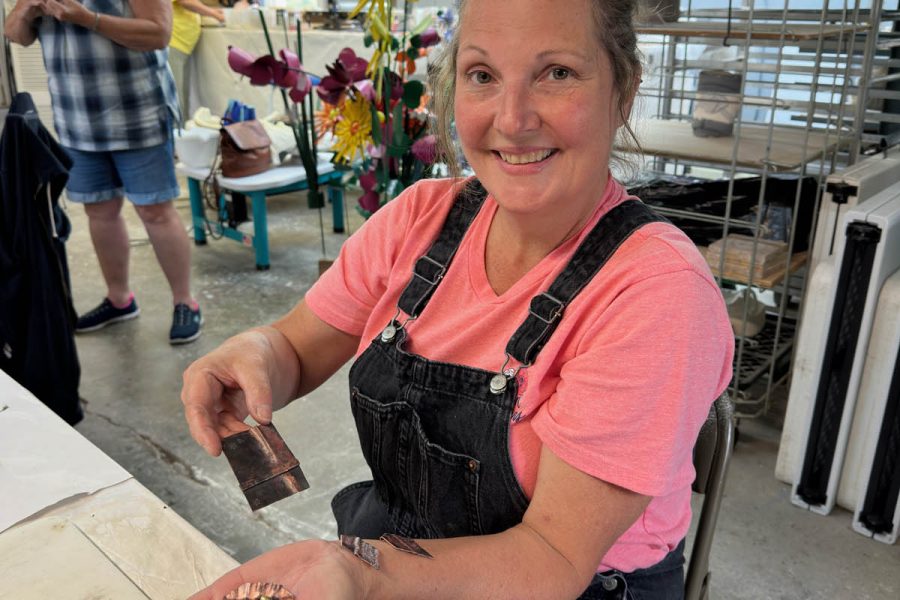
(534, 103)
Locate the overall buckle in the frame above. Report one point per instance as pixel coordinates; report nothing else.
(551, 307)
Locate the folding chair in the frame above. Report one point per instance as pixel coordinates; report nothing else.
(711, 455)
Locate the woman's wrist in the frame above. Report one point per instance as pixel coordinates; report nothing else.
(283, 364)
(86, 18)
(365, 577)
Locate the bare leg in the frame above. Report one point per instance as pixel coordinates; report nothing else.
(171, 245)
(110, 238)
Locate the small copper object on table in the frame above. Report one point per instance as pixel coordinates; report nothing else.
(260, 591)
(266, 469)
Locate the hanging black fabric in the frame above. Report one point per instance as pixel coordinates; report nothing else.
(37, 318)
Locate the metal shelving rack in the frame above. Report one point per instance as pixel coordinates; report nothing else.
(6, 87)
(806, 76)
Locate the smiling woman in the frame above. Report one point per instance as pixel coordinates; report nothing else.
(613, 32)
(509, 386)
(537, 127)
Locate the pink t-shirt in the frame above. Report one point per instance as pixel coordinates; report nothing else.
(621, 388)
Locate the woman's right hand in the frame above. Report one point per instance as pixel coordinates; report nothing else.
(230, 383)
(259, 371)
(33, 8)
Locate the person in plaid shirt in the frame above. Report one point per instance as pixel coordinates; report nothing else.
(114, 105)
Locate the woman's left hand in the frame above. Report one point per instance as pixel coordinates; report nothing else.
(69, 11)
(309, 569)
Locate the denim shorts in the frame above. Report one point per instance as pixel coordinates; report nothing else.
(146, 175)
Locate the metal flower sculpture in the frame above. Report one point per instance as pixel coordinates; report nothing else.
(375, 112)
(286, 72)
(380, 123)
(346, 71)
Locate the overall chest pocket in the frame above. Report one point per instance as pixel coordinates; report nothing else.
(439, 485)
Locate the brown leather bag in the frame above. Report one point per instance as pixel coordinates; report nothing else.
(245, 149)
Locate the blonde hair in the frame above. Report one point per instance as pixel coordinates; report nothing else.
(614, 23)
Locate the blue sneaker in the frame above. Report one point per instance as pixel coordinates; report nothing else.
(186, 324)
(106, 314)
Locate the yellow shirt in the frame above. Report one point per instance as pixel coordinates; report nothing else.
(185, 28)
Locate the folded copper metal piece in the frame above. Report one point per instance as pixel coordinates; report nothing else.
(266, 469)
(362, 550)
(405, 544)
(259, 591)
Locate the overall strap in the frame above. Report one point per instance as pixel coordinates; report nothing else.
(430, 268)
(547, 309)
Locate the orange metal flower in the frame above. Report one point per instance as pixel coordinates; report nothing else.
(326, 120)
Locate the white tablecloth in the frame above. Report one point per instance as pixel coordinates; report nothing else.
(74, 524)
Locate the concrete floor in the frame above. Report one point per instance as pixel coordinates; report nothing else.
(131, 378)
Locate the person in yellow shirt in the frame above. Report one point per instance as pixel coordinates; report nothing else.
(185, 34)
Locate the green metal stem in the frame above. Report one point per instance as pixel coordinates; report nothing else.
(302, 144)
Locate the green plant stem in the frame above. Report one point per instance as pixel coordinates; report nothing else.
(262, 19)
(388, 122)
(400, 69)
(302, 144)
(386, 85)
(309, 133)
(312, 112)
(404, 164)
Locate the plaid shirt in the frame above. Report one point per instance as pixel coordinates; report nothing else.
(105, 96)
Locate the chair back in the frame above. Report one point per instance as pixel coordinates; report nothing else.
(712, 453)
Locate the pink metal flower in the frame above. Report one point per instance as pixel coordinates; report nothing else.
(354, 65)
(367, 89)
(346, 71)
(289, 70)
(425, 149)
(301, 89)
(240, 61)
(370, 200)
(429, 38)
(267, 70)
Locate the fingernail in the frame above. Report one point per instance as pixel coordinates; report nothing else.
(264, 413)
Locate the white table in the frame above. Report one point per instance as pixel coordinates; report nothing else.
(74, 524)
(279, 180)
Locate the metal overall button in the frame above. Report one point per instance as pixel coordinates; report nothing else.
(498, 384)
(389, 333)
(610, 583)
(500, 381)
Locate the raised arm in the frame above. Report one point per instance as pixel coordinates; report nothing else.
(571, 523)
(259, 371)
(20, 26)
(202, 9)
(149, 29)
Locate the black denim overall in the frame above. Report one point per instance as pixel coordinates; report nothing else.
(436, 435)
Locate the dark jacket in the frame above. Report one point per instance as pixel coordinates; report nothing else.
(37, 318)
